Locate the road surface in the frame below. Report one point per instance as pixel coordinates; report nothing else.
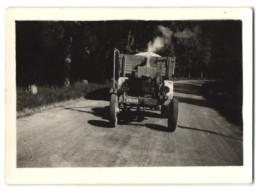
(78, 135)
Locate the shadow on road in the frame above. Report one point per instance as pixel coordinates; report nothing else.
(232, 114)
(76, 109)
(128, 117)
(102, 112)
(99, 123)
(125, 118)
(100, 94)
(157, 127)
(207, 131)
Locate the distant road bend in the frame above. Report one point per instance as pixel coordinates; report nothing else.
(78, 135)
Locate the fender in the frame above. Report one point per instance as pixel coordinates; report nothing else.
(169, 84)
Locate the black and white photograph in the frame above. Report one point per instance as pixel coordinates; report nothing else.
(123, 93)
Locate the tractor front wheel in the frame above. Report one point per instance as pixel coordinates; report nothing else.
(173, 114)
(113, 110)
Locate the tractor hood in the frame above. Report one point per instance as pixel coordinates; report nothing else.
(147, 70)
(147, 54)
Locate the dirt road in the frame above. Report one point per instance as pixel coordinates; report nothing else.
(78, 135)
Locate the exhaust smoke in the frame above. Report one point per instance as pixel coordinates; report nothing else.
(159, 41)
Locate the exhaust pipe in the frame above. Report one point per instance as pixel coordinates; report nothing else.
(147, 62)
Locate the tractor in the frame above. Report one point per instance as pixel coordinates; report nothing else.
(143, 81)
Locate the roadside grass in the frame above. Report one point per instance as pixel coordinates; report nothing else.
(53, 94)
(226, 98)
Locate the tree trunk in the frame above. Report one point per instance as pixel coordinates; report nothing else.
(67, 62)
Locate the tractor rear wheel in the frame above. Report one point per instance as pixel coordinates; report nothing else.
(173, 114)
(113, 110)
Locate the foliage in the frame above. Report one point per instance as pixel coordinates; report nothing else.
(52, 94)
(204, 49)
(226, 98)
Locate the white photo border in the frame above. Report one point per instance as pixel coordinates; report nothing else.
(129, 175)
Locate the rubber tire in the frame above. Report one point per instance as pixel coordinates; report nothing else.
(164, 111)
(113, 110)
(173, 114)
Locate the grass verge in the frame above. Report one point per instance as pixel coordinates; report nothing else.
(226, 98)
(53, 94)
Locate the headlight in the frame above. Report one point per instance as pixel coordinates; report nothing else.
(166, 89)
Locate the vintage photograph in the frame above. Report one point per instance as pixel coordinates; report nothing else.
(124, 94)
(132, 93)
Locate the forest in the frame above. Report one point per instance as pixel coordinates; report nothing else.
(48, 52)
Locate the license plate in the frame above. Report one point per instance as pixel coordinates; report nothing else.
(131, 100)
